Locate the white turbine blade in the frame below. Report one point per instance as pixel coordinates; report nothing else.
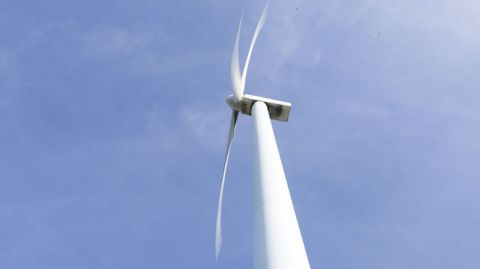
(235, 65)
(260, 24)
(218, 230)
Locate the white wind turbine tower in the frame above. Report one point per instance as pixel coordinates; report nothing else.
(278, 243)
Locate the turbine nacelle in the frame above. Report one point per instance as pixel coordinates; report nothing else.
(278, 110)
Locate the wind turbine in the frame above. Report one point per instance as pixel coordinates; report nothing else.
(278, 242)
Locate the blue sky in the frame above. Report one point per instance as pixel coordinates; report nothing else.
(113, 127)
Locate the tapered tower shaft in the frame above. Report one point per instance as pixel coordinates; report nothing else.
(277, 236)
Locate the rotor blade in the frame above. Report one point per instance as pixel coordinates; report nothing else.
(235, 65)
(218, 229)
(260, 24)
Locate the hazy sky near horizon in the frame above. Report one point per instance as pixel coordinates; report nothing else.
(113, 128)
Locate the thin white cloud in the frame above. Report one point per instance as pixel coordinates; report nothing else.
(115, 42)
(206, 124)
